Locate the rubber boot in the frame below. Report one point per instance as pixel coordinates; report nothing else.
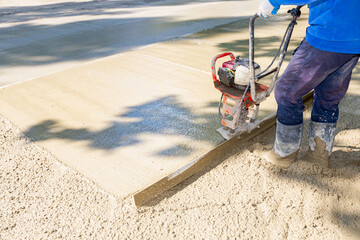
(287, 144)
(321, 141)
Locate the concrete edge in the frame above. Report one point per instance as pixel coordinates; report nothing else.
(156, 189)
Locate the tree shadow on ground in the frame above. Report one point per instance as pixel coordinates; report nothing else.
(264, 46)
(31, 44)
(165, 116)
(344, 164)
(69, 9)
(99, 38)
(350, 221)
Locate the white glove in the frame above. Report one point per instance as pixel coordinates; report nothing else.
(266, 9)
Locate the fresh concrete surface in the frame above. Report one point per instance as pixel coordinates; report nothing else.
(201, 47)
(121, 126)
(128, 120)
(37, 39)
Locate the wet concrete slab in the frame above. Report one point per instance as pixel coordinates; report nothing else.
(232, 37)
(38, 40)
(121, 124)
(128, 120)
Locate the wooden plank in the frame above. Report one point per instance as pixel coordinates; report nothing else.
(161, 186)
(196, 165)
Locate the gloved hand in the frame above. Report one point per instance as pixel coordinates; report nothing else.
(266, 9)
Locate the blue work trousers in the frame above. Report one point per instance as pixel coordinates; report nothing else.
(328, 73)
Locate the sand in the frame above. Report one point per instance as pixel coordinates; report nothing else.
(238, 197)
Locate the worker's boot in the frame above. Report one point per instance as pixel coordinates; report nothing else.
(321, 141)
(287, 144)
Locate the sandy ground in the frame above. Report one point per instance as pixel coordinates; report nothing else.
(238, 197)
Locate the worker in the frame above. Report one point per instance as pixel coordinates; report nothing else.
(324, 62)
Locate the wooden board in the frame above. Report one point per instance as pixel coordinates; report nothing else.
(156, 189)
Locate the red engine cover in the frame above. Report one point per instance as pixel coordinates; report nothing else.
(237, 93)
(230, 91)
(228, 64)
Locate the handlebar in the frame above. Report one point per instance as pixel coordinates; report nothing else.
(251, 56)
(295, 13)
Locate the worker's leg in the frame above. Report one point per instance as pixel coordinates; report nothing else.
(325, 112)
(329, 93)
(306, 70)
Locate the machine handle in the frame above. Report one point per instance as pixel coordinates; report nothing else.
(221, 55)
(251, 56)
(295, 13)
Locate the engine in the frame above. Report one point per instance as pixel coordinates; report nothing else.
(236, 73)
